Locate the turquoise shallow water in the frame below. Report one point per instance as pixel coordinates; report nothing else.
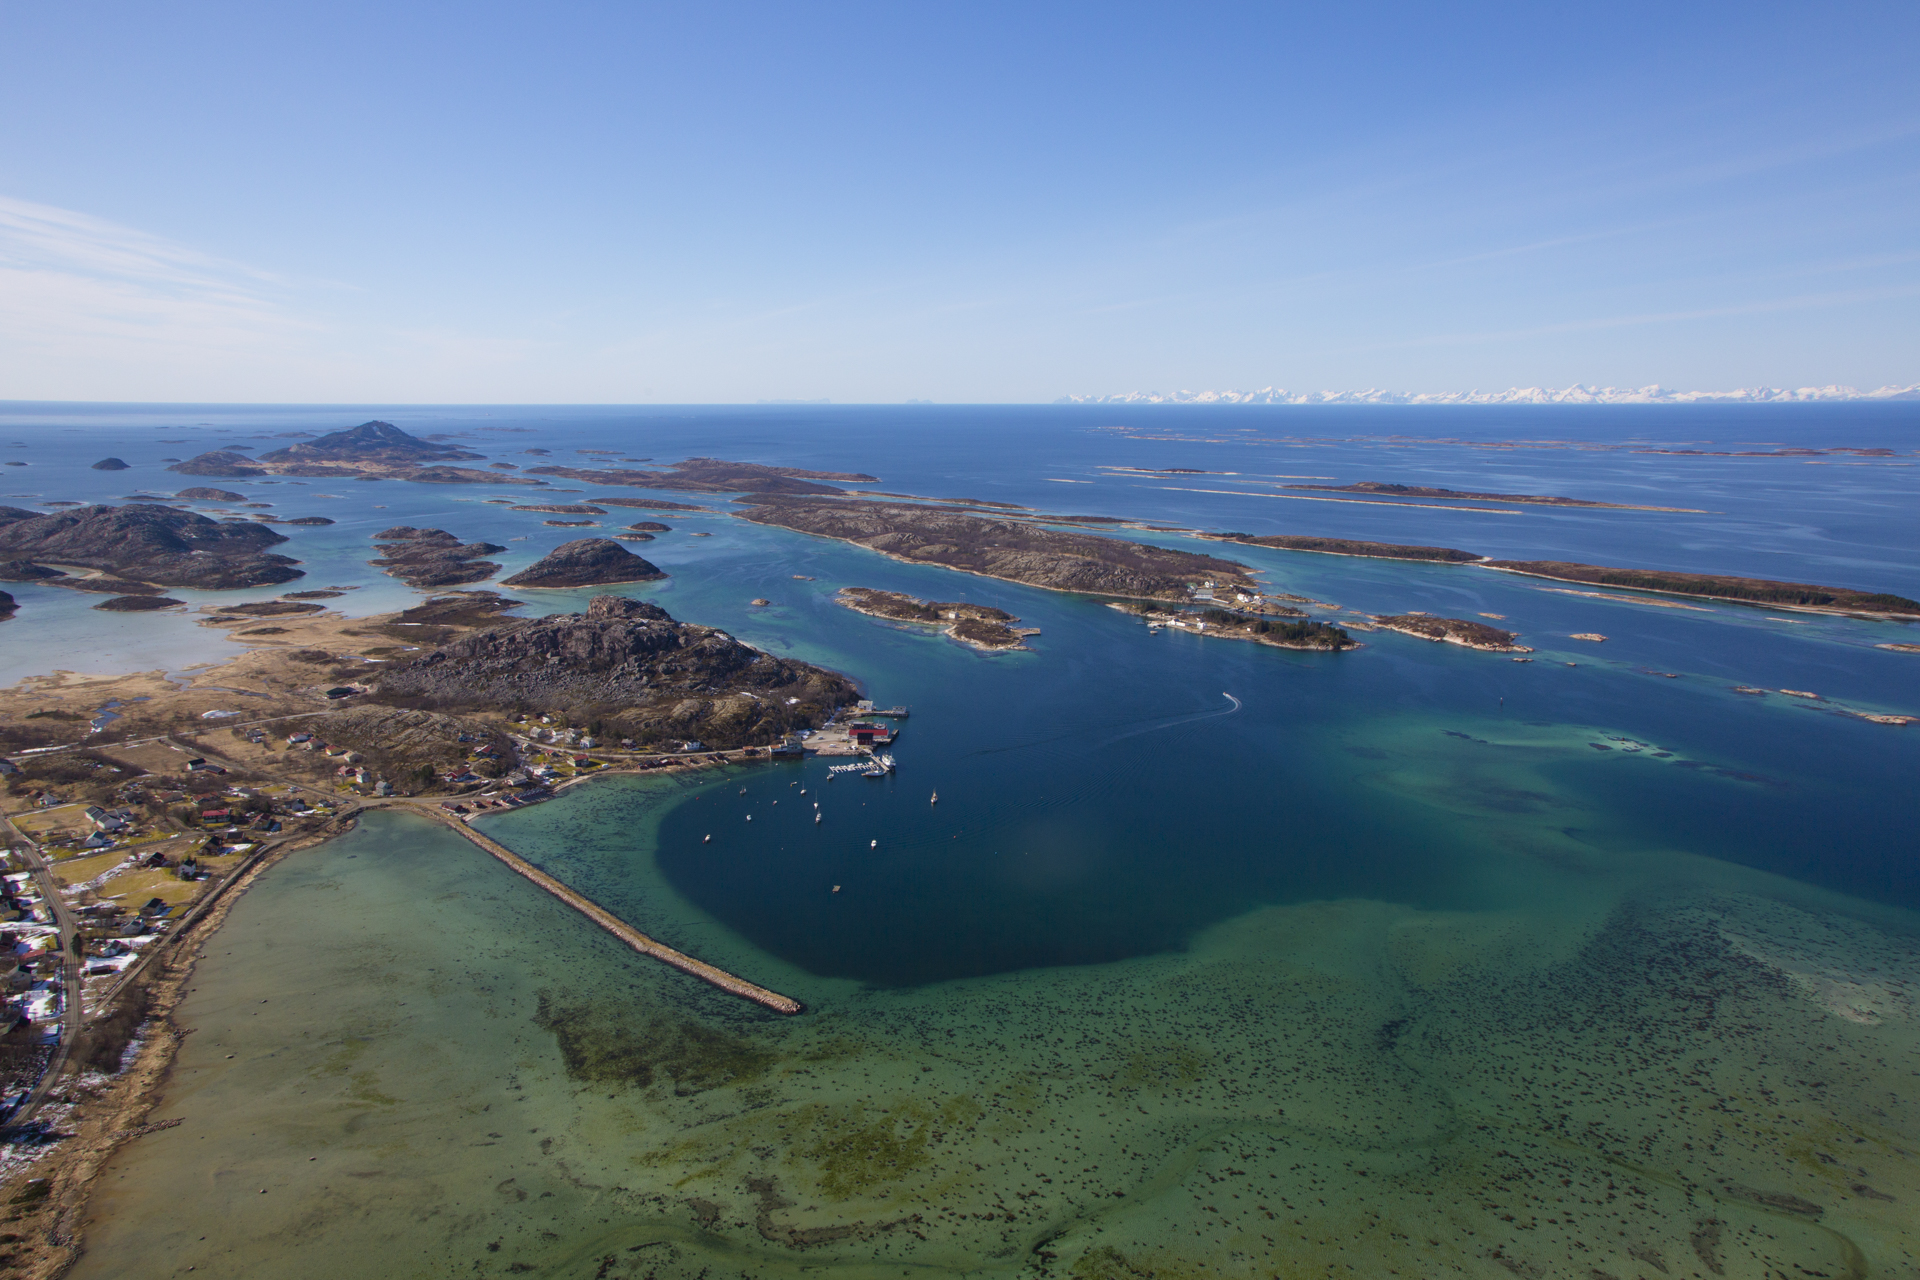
(1417, 960)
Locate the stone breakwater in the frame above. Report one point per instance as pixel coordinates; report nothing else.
(627, 933)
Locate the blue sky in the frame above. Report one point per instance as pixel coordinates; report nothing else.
(588, 202)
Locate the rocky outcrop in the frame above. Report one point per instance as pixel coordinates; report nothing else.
(108, 464)
(586, 562)
(368, 442)
(7, 605)
(201, 493)
(219, 462)
(628, 664)
(1058, 559)
(137, 604)
(310, 520)
(26, 571)
(429, 558)
(153, 544)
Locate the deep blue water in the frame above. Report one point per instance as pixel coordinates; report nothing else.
(1099, 797)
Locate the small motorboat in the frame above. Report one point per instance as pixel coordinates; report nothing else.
(936, 798)
(706, 839)
(874, 845)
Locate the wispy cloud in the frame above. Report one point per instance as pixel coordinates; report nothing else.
(78, 291)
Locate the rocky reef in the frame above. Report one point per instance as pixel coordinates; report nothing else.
(201, 493)
(629, 666)
(586, 562)
(149, 544)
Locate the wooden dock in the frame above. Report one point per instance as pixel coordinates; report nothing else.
(627, 933)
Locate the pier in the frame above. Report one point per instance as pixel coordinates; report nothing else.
(627, 933)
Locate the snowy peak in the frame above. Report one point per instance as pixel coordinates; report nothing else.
(1576, 394)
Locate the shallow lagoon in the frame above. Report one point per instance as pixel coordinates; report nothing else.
(1393, 969)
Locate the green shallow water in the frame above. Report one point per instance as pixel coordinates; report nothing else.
(436, 1070)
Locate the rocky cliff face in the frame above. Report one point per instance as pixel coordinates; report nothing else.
(151, 544)
(586, 562)
(628, 664)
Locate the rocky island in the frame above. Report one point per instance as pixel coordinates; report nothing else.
(149, 544)
(714, 475)
(1002, 547)
(1460, 631)
(1374, 487)
(431, 558)
(586, 562)
(1759, 591)
(1349, 547)
(1288, 633)
(978, 626)
(628, 666)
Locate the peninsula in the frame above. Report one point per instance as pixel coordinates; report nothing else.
(1001, 547)
(978, 626)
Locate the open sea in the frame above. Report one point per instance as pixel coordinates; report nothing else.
(1211, 960)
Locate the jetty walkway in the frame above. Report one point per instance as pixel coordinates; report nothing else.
(627, 933)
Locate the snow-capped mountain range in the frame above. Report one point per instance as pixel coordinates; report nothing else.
(1575, 394)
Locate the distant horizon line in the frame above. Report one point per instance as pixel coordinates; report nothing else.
(1578, 393)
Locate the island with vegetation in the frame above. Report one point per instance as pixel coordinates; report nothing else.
(1759, 591)
(1284, 633)
(1348, 547)
(978, 626)
(1460, 631)
(1384, 490)
(1002, 547)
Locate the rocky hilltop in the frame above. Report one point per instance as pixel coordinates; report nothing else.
(628, 665)
(996, 547)
(149, 544)
(586, 562)
(369, 442)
